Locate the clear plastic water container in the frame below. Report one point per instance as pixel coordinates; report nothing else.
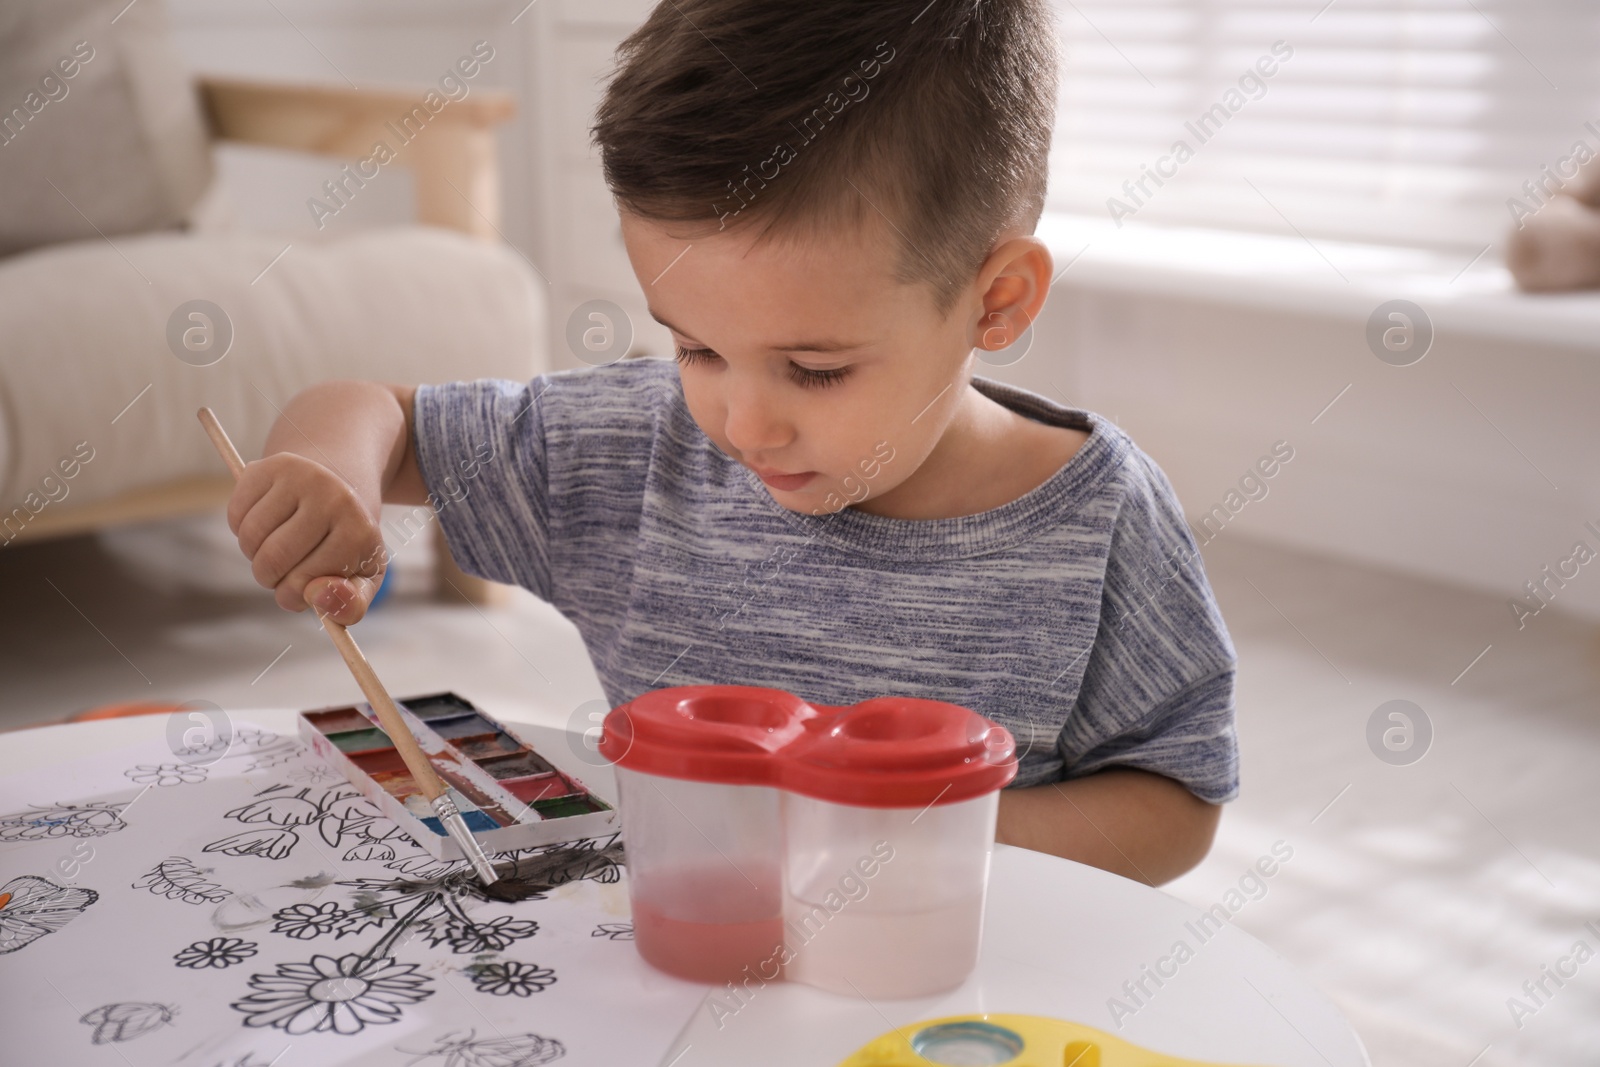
(845, 847)
(704, 871)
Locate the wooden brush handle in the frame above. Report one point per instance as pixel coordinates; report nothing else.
(224, 445)
(388, 713)
(405, 741)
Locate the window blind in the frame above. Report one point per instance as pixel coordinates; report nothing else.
(1409, 122)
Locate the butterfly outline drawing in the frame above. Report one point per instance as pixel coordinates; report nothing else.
(31, 907)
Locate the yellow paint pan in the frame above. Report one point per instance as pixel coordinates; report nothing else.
(997, 1040)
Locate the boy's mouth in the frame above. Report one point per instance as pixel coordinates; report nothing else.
(788, 482)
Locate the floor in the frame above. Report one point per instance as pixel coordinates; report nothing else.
(1420, 897)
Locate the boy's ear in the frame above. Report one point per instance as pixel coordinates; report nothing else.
(1014, 283)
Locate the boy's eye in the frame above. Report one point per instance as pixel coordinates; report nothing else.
(817, 378)
(804, 376)
(693, 355)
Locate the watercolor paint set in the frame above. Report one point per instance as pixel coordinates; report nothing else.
(510, 796)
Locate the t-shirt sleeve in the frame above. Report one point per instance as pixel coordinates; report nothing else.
(1158, 688)
(480, 448)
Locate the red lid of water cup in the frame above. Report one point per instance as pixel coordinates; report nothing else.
(710, 733)
(885, 752)
(899, 752)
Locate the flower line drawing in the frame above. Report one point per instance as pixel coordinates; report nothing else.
(273, 844)
(94, 819)
(515, 1050)
(218, 743)
(178, 878)
(167, 774)
(126, 1021)
(511, 978)
(615, 931)
(217, 952)
(305, 921)
(267, 747)
(343, 995)
(31, 907)
(262, 747)
(465, 935)
(316, 774)
(279, 814)
(254, 738)
(440, 919)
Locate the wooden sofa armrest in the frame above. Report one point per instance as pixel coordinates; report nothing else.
(185, 496)
(451, 150)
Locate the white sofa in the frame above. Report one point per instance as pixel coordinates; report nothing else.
(102, 362)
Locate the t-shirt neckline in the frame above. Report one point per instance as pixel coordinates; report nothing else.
(1041, 508)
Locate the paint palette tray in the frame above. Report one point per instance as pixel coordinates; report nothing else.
(510, 796)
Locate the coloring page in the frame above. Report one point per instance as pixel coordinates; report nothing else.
(247, 906)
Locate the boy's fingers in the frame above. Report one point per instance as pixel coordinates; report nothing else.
(334, 598)
(251, 486)
(264, 517)
(283, 553)
(334, 566)
(344, 600)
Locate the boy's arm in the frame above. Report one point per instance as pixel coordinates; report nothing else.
(361, 431)
(1127, 821)
(306, 513)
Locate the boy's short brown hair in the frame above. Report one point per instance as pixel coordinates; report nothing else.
(814, 115)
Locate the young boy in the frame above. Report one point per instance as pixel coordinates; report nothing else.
(831, 205)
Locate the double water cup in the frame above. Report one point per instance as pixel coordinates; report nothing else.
(845, 847)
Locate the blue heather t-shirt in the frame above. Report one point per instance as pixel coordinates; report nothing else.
(1078, 615)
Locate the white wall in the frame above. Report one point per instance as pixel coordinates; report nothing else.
(1402, 471)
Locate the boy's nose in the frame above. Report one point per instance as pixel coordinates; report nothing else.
(755, 424)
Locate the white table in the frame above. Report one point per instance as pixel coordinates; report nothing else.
(1060, 940)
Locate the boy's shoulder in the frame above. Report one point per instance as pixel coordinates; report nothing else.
(641, 376)
(1109, 466)
(631, 397)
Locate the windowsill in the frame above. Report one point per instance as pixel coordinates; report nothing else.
(1279, 273)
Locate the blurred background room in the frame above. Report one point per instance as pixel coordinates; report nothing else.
(1351, 242)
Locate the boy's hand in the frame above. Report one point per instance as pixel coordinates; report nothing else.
(308, 535)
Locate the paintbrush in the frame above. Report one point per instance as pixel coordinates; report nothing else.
(428, 780)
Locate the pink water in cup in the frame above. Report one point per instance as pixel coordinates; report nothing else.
(704, 840)
(845, 847)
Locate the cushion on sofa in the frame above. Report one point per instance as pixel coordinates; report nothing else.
(87, 330)
(100, 127)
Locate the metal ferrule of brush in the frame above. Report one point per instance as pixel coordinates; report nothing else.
(444, 807)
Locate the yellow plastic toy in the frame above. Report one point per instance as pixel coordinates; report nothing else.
(995, 1040)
